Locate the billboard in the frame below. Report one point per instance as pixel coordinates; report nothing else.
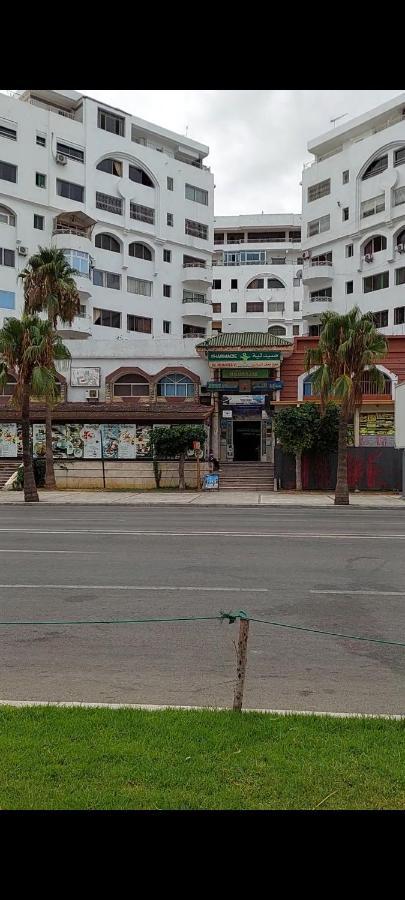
(400, 416)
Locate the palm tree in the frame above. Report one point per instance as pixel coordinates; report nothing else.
(348, 345)
(49, 286)
(29, 348)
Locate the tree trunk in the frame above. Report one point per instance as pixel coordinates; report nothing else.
(298, 479)
(50, 482)
(181, 472)
(342, 487)
(30, 488)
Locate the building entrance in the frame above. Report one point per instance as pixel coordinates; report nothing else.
(246, 441)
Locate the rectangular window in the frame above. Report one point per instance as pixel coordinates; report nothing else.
(216, 307)
(167, 327)
(109, 204)
(400, 276)
(7, 300)
(8, 172)
(41, 140)
(296, 305)
(7, 257)
(142, 213)
(278, 260)
(275, 307)
(345, 214)
(167, 290)
(6, 132)
(296, 330)
(39, 222)
(345, 176)
(234, 284)
(296, 282)
(196, 194)
(71, 152)
(348, 250)
(399, 157)
(40, 180)
(322, 189)
(106, 279)
(371, 207)
(255, 307)
(196, 229)
(295, 237)
(349, 287)
(167, 256)
(314, 331)
(317, 226)
(216, 284)
(110, 122)
(375, 282)
(399, 315)
(69, 190)
(78, 260)
(169, 220)
(110, 166)
(170, 186)
(321, 294)
(234, 307)
(194, 297)
(139, 323)
(107, 317)
(399, 196)
(139, 286)
(219, 237)
(380, 319)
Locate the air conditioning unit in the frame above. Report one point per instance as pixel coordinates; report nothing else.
(22, 250)
(92, 394)
(306, 254)
(61, 159)
(369, 257)
(401, 248)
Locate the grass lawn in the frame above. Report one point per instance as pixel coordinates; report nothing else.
(76, 758)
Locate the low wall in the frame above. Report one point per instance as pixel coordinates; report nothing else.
(124, 474)
(368, 469)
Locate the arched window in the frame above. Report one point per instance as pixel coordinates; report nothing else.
(9, 387)
(107, 242)
(401, 237)
(141, 251)
(375, 245)
(6, 216)
(136, 174)
(308, 386)
(256, 284)
(111, 166)
(376, 166)
(274, 283)
(276, 330)
(131, 385)
(175, 385)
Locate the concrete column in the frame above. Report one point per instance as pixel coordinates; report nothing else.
(215, 428)
(356, 428)
(403, 474)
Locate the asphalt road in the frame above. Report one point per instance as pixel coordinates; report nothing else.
(339, 570)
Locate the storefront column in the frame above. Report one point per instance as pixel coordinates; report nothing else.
(356, 428)
(215, 428)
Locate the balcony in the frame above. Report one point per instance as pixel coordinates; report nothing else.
(197, 274)
(314, 306)
(316, 272)
(80, 329)
(73, 231)
(194, 307)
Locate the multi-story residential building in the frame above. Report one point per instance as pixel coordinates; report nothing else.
(353, 219)
(257, 269)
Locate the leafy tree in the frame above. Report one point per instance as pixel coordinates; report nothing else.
(174, 442)
(300, 428)
(349, 345)
(29, 348)
(49, 286)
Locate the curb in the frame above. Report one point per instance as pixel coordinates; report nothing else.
(205, 505)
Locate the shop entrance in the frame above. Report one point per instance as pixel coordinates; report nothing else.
(246, 441)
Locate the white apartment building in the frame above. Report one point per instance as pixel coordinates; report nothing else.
(257, 268)
(131, 205)
(353, 219)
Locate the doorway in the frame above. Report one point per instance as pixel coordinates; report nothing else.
(246, 441)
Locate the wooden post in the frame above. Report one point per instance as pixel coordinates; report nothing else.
(197, 453)
(241, 664)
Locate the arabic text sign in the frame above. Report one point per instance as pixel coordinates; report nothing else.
(245, 400)
(246, 373)
(85, 376)
(250, 358)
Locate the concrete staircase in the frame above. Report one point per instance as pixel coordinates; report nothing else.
(246, 476)
(7, 469)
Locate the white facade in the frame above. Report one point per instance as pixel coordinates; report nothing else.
(257, 270)
(147, 281)
(353, 219)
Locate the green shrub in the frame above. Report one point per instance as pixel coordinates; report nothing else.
(39, 473)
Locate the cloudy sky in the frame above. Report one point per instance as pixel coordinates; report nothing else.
(257, 139)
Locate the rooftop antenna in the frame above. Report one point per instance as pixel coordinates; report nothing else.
(186, 130)
(336, 119)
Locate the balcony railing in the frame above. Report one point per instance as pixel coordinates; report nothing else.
(194, 335)
(318, 262)
(370, 389)
(144, 143)
(54, 109)
(198, 264)
(70, 229)
(198, 298)
(320, 299)
(273, 240)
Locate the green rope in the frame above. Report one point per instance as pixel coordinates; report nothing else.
(112, 621)
(351, 637)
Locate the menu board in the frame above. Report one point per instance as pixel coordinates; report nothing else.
(9, 442)
(143, 446)
(77, 441)
(377, 429)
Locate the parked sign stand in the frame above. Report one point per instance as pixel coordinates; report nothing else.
(197, 453)
(211, 482)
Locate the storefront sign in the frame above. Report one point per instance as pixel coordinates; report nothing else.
(85, 377)
(221, 386)
(245, 373)
(211, 482)
(9, 440)
(227, 414)
(77, 441)
(251, 358)
(268, 385)
(244, 400)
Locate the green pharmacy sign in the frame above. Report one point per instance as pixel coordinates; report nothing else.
(251, 358)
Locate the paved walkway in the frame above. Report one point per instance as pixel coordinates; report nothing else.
(216, 498)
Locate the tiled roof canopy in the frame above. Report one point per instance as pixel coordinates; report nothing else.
(244, 339)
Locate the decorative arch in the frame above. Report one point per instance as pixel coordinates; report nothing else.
(250, 284)
(305, 378)
(106, 240)
(376, 156)
(370, 244)
(120, 157)
(176, 382)
(399, 235)
(128, 382)
(141, 250)
(7, 216)
(171, 370)
(275, 278)
(375, 165)
(277, 330)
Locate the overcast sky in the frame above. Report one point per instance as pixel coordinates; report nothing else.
(257, 139)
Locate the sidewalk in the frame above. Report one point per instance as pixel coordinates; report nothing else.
(312, 499)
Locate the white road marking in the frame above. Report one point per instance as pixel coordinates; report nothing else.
(139, 587)
(77, 552)
(259, 534)
(365, 593)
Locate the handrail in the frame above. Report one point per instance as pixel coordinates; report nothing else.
(194, 265)
(310, 263)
